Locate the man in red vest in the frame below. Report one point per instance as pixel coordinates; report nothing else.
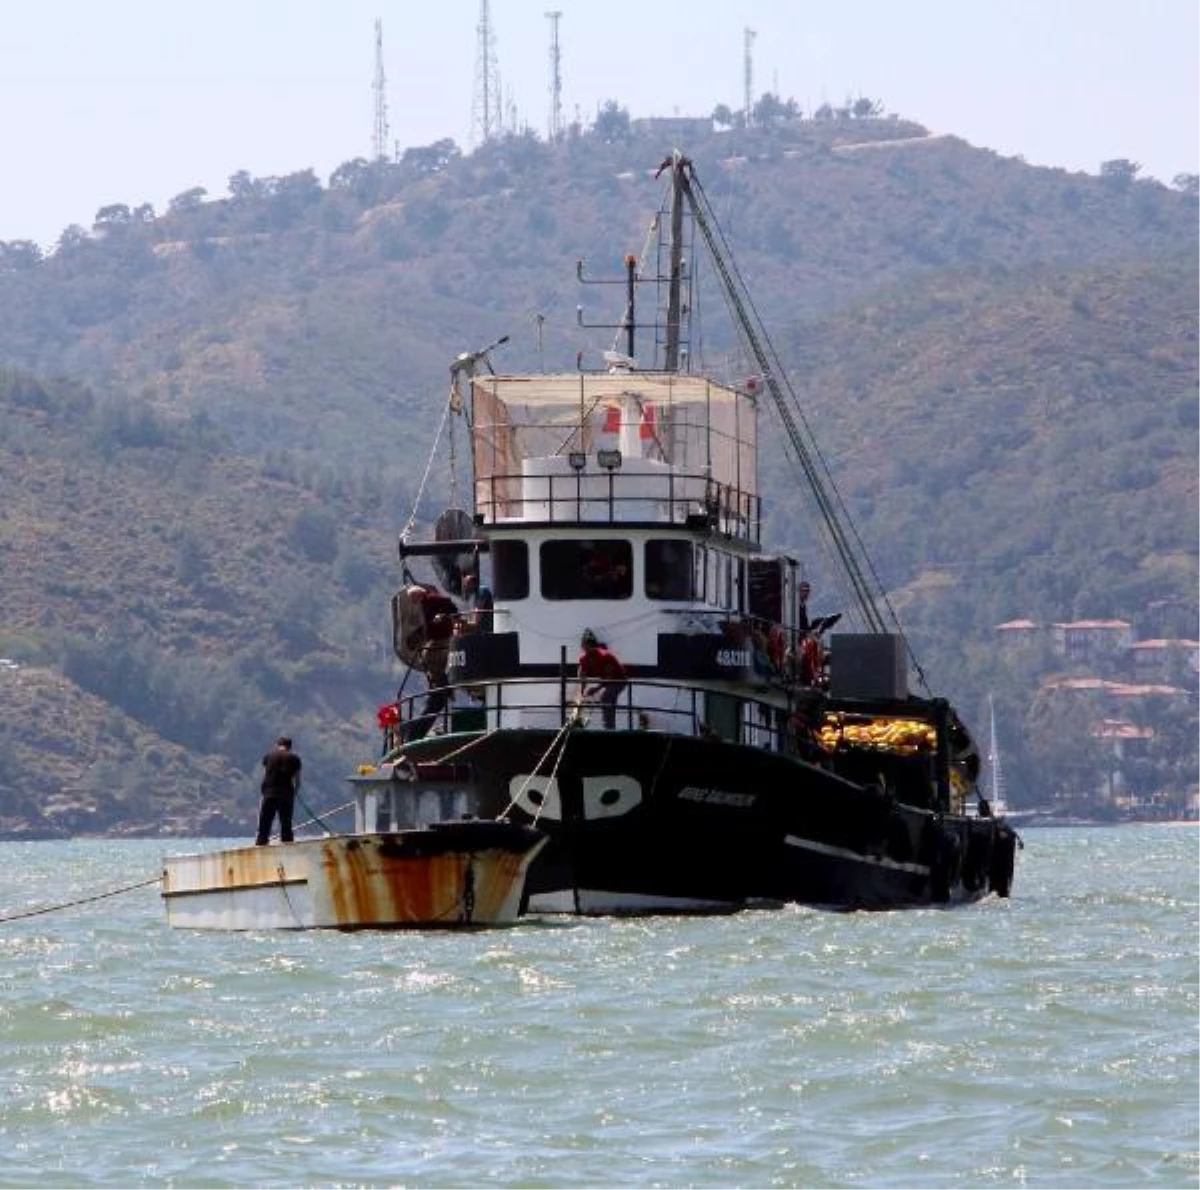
(601, 672)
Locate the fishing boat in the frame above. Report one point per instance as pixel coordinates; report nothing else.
(445, 875)
(747, 754)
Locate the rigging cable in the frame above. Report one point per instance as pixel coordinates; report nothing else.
(412, 520)
(454, 456)
(764, 355)
(833, 508)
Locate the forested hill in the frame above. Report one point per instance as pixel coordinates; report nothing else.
(213, 420)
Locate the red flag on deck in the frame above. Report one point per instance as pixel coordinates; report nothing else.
(612, 419)
(648, 428)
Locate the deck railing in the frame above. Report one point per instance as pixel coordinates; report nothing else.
(642, 705)
(612, 497)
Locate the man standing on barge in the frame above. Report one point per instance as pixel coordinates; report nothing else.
(280, 784)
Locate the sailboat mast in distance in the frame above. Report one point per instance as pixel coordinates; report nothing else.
(997, 782)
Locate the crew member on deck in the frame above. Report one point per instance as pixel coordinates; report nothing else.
(280, 784)
(802, 593)
(807, 660)
(441, 613)
(601, 672)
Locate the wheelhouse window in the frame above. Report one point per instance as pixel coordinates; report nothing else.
(669, 569)
(510, 570)
(586, 569)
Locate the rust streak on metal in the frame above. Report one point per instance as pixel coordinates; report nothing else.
(377, 883)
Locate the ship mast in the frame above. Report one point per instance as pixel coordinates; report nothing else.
(675, 273)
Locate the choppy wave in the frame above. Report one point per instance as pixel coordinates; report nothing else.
(1049, 1040)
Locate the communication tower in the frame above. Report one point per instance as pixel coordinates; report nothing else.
(379, 142)
(487, 116)
(556, 118)
(748, 75)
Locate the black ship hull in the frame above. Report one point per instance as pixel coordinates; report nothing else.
(644, 822)
(747, 755)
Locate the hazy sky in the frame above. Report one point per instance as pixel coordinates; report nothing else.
(133, 101)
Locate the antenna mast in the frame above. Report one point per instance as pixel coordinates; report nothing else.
(556, 126)
(379, 142)
(488, 115)
(748, 74)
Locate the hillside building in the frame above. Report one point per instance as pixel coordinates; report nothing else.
(1091, 640)
(1162, 659)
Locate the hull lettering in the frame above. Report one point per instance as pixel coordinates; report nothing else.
(717, 797)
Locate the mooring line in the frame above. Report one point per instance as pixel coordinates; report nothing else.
(81, 901)
(572, 721)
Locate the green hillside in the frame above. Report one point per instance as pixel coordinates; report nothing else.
(213, 422)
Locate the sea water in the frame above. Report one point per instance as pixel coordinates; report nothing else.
(1046, 1040)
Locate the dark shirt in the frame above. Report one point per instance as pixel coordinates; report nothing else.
(281, 772)
(484, 614)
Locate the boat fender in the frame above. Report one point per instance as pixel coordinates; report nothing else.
(880, 807)
(977, 863)
(412, 631)
(1004, 859)
(946, 865)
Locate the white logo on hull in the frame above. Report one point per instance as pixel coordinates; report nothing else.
(603, 797)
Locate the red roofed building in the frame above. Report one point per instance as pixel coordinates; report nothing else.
(1091, 640)
(1162, 658)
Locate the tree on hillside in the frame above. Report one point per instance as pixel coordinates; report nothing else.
(116, 214)
(1120, 170)
(612, 123)
(723, 116)
(431, 159)
(1187, 183)
(292, 195)
(520, 151)
(187, 200)
(18, 255)
(361, 179)
(243, 187)
(315, 533)
(1066, 756)
(72, 237)
(771, 111)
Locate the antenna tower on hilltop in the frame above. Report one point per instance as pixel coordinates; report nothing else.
(379, 141)
(487, 117)
(556, 128)
(748, 75)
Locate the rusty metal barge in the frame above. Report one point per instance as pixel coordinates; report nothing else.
(447, 875)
